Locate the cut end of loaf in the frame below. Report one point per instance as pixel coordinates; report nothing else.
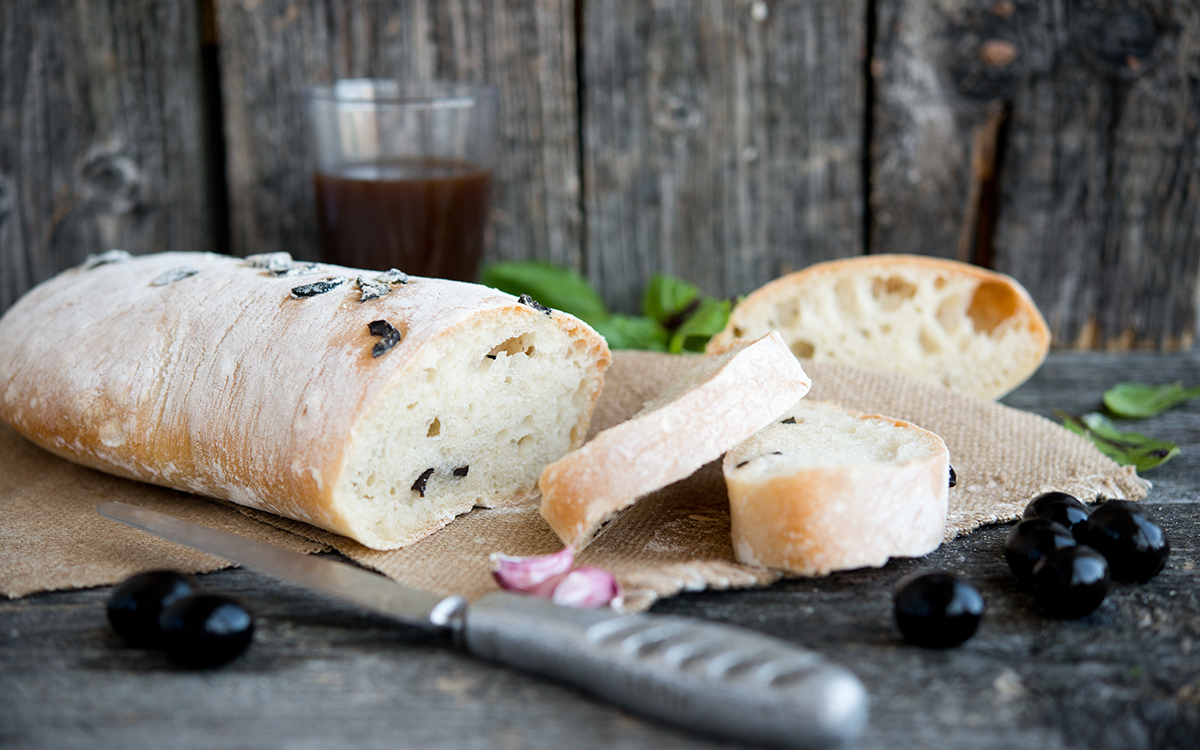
(484, 409)
(940, 321)
(825, 489)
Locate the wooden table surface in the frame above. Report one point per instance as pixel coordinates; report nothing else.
(320, 674)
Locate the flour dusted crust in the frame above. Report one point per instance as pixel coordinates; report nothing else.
(722, 401)
(825, 488)
(940, 321)
(219, 376)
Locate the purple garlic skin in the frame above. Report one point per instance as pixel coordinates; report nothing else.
(525, 574)
(554, 577)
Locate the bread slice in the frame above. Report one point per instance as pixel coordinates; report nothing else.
(723, 400)
(940, 321)
(825, 488)
(377, 406)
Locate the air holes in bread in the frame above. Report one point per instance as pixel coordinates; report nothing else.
(787, 315)
(892, 291)
(949, 312)
(992, 304)
(435, 428)
(511, 347)
(929, 343)
(802, 349)
(846, 293)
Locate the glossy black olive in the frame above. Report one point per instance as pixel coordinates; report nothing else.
(936, 609)
(1133, 542)
(1032, 539)
(1061, 508)
(135, 605)
(206, 630)
(1070, 583)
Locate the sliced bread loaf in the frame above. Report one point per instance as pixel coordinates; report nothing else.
(940, 321)
(377, 406)
(723, 400)
(824, 488)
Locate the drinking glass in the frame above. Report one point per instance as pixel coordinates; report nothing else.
(403, 174)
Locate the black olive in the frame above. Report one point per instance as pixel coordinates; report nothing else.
(135, 604)
(1071, 582)
(1133, 542)
(936, 609)
(206, 630)
(1032, 539)
(1062, 508)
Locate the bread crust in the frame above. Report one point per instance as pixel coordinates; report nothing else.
(992, 305)
(226, 384)
(730, 397)
(819, 519)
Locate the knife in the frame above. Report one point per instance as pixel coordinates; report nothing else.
(699, 675)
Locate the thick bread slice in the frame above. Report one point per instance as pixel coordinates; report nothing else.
(722, 401)
(244, 380)
(825, 488)
(940, 321)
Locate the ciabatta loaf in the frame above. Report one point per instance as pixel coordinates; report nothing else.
(940, 321)
(723, 400)
(825, 489)
(373, 405)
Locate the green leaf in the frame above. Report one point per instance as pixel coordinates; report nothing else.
(632, 332)
(708, 319)
(667, 297)
(550, 285)
(1137, 400)
(1126, 448)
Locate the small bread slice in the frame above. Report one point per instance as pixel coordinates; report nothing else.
(825, 488)
(940, 321)
(723, 400)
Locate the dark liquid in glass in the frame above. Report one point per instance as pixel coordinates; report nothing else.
(425, 217)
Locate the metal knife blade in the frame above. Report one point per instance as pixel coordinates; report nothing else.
(346, 582)
(702, 676)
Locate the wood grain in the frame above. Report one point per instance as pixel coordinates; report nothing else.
(1055, 141)
(1100, 215)
(941, 77)
(271, 50)
(722, 140)
(101, 141)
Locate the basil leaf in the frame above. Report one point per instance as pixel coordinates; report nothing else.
(550, 285)
(1137, 400)
(708, 319)
(1126, 448)
(666, 297)
(632, 332)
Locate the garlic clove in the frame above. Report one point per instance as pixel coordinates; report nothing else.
(584, 588)
(528, 573)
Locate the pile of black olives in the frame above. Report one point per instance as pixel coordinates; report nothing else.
(166, 610)
(1062, 550)
(1068, 554)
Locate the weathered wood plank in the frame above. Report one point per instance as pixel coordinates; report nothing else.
(1055, 141)
(722, 141)
(938, 104)
(101, 134)
(1100, 213)
(272, 50)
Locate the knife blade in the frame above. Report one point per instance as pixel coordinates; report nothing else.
(702, 676)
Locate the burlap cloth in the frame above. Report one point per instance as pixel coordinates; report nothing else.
(674, 540)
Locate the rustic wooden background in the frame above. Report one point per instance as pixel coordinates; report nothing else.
(725, 141)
